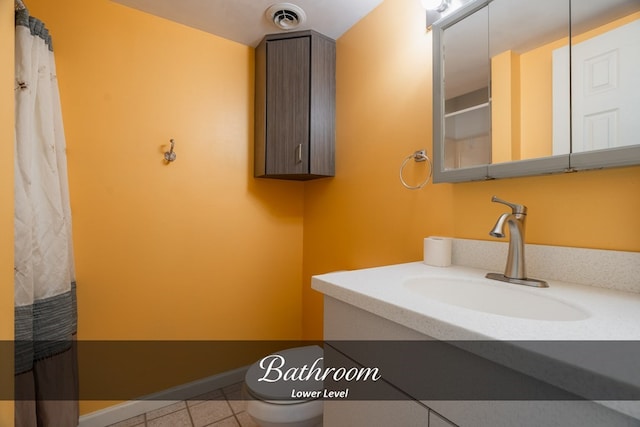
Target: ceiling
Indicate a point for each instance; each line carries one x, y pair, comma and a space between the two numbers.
245, 21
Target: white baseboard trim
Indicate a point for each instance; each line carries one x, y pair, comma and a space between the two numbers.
126, 410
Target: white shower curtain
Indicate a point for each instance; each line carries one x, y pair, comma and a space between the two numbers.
45, 304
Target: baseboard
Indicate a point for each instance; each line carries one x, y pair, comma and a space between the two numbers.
126, 410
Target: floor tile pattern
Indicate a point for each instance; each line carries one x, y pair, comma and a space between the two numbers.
220, 408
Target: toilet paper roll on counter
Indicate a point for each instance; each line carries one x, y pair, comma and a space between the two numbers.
437, 251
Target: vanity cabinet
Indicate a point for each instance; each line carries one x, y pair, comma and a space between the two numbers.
346, 324
295, 106
436, 420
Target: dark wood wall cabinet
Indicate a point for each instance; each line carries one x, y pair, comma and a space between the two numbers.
295, 106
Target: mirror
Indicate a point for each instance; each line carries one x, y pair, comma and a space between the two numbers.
525, 88
605, 94
467, 109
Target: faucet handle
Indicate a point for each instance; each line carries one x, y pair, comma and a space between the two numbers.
515, 208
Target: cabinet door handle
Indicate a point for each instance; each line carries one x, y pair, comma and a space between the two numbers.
299, 153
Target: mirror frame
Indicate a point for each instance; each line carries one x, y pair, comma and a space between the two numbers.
598, 159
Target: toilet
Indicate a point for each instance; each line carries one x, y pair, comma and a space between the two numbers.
270, 404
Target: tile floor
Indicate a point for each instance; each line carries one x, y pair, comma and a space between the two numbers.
219, 408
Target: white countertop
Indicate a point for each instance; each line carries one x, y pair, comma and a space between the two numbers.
612, 315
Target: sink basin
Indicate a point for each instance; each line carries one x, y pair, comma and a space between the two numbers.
494, 298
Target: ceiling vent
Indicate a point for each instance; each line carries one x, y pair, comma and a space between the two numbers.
286, 16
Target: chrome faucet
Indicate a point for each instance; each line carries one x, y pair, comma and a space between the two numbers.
514, 271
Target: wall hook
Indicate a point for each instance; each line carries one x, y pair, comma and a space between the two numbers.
170, 156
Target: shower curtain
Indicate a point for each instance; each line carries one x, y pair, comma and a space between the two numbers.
46, 382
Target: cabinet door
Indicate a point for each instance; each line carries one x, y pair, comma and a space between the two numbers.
288, 88
436, 420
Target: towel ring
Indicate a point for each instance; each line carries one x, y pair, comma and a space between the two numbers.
418, 156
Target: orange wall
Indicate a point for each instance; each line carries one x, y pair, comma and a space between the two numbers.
364, 217
536, 112
197, 249
6, 201
505, 107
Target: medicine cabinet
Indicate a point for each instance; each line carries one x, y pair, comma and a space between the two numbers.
529, 88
